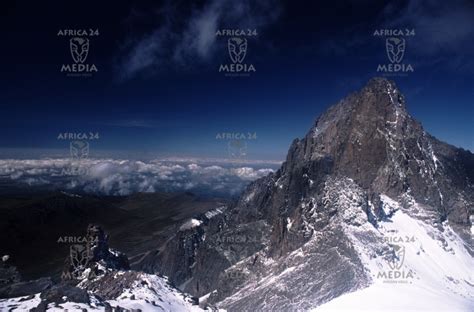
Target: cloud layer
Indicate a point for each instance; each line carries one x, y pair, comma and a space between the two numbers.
123, 177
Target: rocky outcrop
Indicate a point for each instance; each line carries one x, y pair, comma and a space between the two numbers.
93, 257
101, 280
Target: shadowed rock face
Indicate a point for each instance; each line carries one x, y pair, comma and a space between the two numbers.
95, 255
373, 140
283, 242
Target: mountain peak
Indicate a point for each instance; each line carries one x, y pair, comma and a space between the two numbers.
376, 110
380, 85
375, 105
379, 82
364, 135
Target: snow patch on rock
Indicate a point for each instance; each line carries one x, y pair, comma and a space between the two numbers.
191, 223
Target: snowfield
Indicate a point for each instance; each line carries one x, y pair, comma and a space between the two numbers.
406, 298
433, 272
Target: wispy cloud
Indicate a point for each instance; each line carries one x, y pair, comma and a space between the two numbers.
184, 38
444, 31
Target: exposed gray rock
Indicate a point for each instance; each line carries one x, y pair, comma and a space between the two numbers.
65, 292
94, 256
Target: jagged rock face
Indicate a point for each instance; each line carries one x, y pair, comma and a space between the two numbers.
354, 133
373, 140
370, 137
95, 256
292, 224
100, 252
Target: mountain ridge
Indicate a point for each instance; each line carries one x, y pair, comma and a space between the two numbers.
331, 192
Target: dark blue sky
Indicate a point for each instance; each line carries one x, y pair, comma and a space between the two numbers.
158, 89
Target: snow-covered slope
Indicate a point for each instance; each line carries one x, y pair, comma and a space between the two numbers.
138, 292
147, 298
432, 270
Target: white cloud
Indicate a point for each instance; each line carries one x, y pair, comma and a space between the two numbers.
249, 174
123, 177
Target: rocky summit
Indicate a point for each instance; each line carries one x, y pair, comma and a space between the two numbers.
320, 226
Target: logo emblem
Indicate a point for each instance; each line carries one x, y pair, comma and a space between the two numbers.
79, 256
396, 262
240, 243
237, 49
395, 49
237, 148
79, 149
79, 49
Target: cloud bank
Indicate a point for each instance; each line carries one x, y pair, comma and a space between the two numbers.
124, 177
